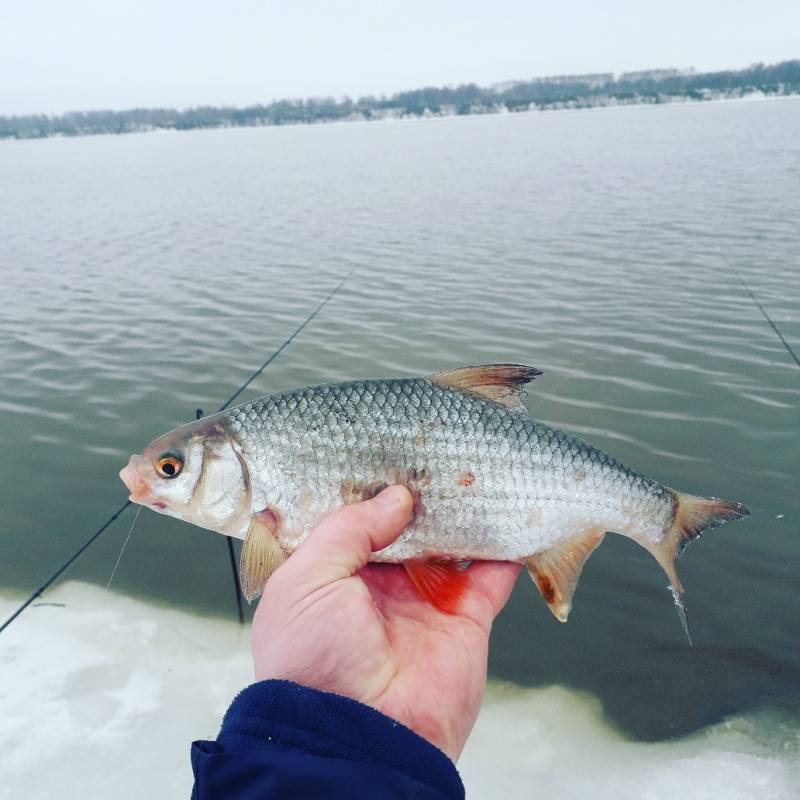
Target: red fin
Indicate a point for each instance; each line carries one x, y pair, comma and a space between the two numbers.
441, 583
500, 383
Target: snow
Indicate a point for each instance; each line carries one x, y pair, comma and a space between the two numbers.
101, 697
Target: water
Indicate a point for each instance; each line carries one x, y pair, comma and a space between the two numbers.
145, 276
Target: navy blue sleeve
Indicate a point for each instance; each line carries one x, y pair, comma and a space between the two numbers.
282, 740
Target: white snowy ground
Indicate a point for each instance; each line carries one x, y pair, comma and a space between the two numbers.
102, 697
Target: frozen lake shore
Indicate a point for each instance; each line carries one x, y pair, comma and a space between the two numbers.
101, 696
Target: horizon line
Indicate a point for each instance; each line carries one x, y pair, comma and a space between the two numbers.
613, 77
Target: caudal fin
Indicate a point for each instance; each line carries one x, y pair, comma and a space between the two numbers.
693, 516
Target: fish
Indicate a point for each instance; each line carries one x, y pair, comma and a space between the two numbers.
488, 481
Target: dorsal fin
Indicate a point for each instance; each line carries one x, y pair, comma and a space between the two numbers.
500, 383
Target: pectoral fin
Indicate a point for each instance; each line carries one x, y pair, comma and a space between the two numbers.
556, 571
261, 554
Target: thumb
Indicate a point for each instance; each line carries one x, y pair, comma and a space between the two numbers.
342, 543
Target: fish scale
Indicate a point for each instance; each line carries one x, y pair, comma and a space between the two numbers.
378, 431
487, 481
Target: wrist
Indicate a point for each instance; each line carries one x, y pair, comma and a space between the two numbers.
284, 713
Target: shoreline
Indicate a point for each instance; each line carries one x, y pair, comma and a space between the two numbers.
588, 103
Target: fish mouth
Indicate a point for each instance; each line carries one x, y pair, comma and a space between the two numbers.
136, 485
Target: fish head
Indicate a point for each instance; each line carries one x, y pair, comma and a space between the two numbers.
195, 473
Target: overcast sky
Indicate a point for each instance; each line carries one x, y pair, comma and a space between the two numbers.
58, 55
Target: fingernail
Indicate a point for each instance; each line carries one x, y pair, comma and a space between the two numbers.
391, 496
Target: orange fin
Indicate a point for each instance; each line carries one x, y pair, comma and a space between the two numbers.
692, 516
500, 383
556, 571
441, 583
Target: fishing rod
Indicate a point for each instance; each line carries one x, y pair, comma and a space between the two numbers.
116, 514
761, 308
231, 556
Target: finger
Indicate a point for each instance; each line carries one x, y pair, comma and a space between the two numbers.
342, 543
494, 580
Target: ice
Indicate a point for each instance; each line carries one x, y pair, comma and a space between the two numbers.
555, 742
102, 696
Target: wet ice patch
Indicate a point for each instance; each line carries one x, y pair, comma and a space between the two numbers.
556, 742
102, 697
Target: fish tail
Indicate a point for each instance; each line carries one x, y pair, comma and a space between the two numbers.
692, 516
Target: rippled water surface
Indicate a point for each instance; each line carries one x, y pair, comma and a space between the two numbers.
146, 276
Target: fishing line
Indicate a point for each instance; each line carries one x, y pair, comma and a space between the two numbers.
68, 563
124, 545
761, 308
96, 535
286, 343
562, 380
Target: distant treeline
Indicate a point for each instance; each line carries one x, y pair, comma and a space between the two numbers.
567, 91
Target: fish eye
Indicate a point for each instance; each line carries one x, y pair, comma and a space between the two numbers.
169, 465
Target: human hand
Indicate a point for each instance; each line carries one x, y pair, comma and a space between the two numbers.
329, 620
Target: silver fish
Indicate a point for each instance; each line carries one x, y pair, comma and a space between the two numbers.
488, 482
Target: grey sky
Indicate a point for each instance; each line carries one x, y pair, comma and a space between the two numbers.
57, 55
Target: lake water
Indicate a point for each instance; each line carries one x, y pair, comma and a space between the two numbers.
145, 276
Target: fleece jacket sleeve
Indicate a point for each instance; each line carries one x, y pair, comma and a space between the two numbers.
282, 740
